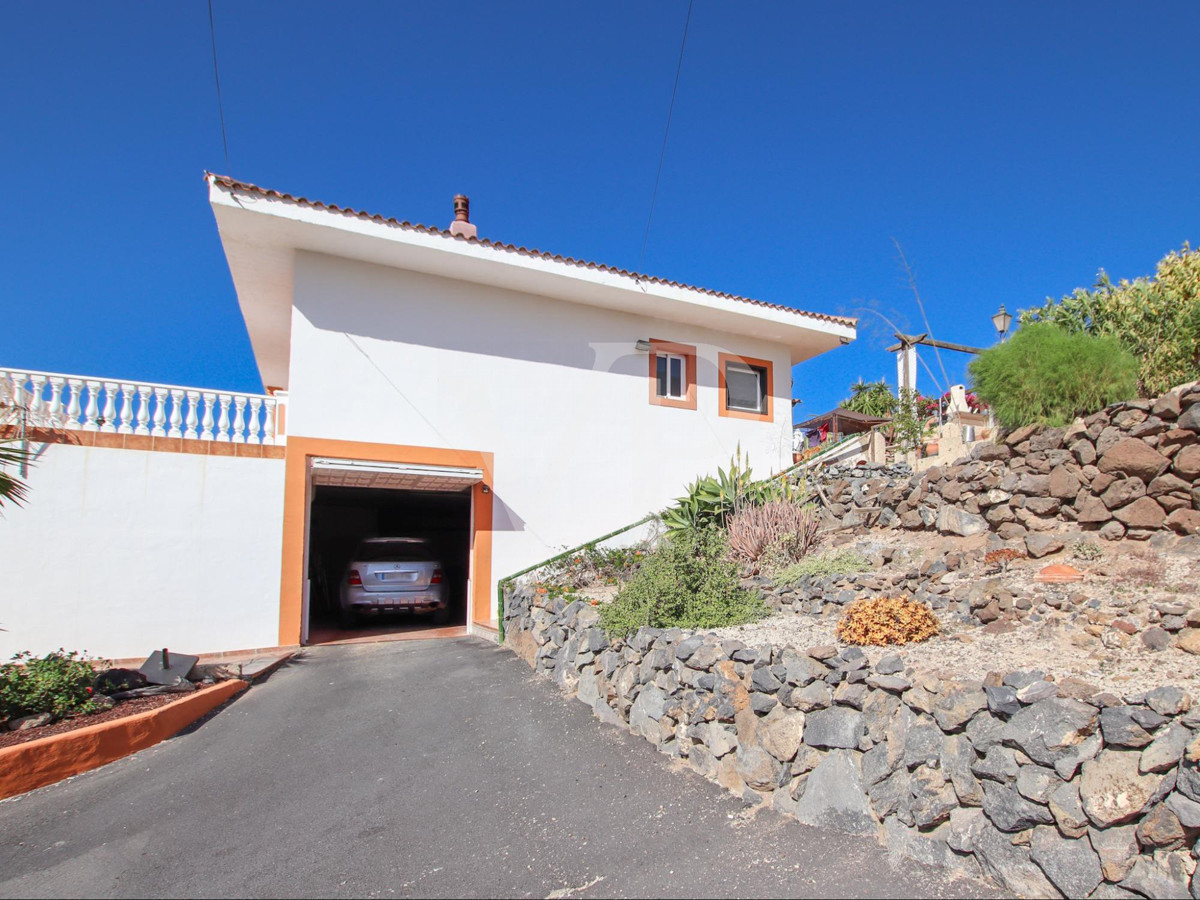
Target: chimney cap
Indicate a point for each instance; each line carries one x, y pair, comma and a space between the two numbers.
461, 226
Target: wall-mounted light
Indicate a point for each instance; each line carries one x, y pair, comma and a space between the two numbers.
486, 489
644, 346
844, 340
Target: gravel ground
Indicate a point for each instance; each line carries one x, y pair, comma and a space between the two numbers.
1125, 582
971, 654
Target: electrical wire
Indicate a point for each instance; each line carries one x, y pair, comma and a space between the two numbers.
666, 134
212, 33
912, 283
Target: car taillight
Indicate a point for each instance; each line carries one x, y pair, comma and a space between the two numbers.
437, 577
355, 578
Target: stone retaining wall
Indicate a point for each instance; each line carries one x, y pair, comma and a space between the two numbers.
1044, 787
1131, 470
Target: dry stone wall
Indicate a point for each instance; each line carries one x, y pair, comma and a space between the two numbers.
1128, 471
1046, 788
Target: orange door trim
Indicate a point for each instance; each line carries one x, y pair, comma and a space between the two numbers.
295, 514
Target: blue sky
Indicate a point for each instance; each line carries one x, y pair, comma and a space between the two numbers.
1012, 150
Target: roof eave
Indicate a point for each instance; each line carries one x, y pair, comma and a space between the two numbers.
274, 227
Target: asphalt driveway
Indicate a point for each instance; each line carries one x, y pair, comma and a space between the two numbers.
430, 768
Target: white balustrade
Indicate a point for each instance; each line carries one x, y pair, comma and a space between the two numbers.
143, 413
255, 405
73, 403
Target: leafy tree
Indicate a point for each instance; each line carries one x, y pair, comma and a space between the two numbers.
871, 398
908, 428
1046, 375
1157, 319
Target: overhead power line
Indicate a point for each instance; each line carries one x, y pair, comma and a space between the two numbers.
212, 33
666, 134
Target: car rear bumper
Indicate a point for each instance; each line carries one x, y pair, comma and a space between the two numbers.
429, 600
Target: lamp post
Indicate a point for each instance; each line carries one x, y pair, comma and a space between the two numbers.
1002, 320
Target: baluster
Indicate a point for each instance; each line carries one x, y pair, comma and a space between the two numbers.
160, 412
143, 413
35, 407
109, 416
54, 406
269, 408
252, 431
239, 419
125, 415
93, 407
73, 405
223, 418
176, 414
193, 414
206, 432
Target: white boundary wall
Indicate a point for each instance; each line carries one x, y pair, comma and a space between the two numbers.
119, 552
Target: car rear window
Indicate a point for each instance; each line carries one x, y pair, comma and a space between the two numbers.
392, 551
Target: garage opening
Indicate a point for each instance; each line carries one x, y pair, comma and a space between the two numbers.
354, 505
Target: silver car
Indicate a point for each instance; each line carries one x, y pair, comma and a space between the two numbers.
394, 574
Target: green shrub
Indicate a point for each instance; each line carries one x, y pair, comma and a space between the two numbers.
1045, 375
831, 562
58, 683
689, 581
1085, 550
1157, 319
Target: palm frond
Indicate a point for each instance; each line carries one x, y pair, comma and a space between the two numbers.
13, 489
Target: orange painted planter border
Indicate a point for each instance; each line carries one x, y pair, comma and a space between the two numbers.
50, 759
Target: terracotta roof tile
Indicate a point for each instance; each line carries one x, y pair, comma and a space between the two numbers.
234, 184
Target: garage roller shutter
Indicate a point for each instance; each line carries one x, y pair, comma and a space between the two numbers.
402, 476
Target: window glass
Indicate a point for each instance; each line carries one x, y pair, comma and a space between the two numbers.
403, 550
745, 387
676, 367
671, 376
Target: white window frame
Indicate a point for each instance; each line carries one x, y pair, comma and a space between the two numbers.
760, 392
683, 376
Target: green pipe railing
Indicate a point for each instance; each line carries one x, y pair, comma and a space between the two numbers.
509, 579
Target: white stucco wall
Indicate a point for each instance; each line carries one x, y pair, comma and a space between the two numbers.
120, 552
554, 389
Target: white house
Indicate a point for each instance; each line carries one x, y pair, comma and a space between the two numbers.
512, 401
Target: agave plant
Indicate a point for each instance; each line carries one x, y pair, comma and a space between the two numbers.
711, 500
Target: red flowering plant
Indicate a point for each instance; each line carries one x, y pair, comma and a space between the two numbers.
974, 404
930, 407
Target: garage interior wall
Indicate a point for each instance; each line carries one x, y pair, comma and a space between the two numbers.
343, 516
119, 552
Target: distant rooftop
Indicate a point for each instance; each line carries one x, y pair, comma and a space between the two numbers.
842, 415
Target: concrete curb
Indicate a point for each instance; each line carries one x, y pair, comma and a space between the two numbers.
259, 674
47, 760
